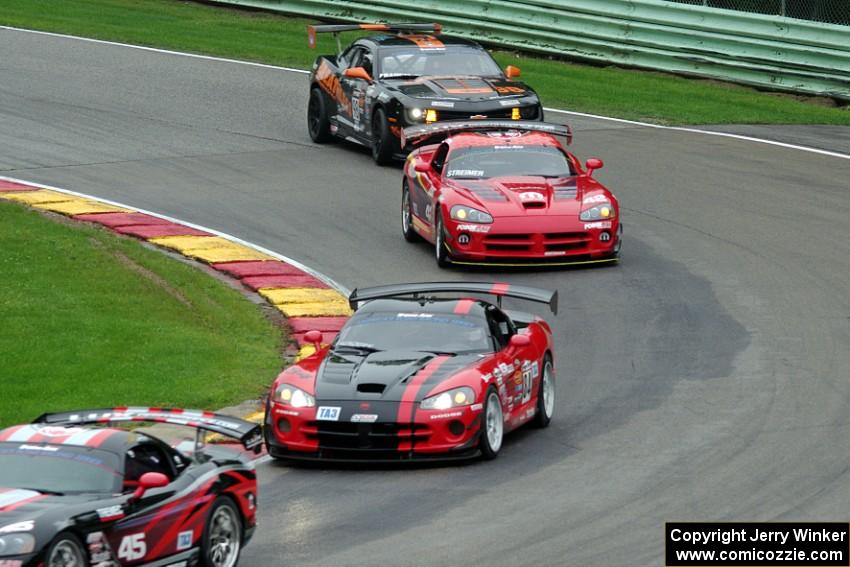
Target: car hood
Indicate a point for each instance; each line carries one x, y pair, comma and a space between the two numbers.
524, 196
21, 505
469, 89
383, 376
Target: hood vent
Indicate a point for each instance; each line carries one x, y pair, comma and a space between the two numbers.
371, 388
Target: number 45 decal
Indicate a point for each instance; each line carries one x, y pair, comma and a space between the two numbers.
132, 547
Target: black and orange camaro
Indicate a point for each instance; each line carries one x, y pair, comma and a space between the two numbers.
406, 76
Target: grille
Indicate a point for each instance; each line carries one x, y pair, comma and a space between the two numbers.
546, 242
455, 115
376, 437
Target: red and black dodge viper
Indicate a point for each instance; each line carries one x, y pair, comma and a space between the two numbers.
498, 192
75, 492
420, 371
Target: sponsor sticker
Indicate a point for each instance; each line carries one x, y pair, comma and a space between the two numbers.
286, 412
184, 540
486, 377
555, 253
474, 227
328, 413
442, 104
38, 448
110, 513
364, 418
476, 407
531, 196
414, 315
596, 199
59, 431
447, 415
597, 224
509, 102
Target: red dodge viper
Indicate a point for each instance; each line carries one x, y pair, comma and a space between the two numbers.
506, 193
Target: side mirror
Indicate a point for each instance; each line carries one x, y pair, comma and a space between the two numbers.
512, 72
357, 73
518, 340
421, 166
314, 338
150, 480
592, 164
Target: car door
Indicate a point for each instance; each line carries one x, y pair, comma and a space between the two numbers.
354, 89
519, 369
150, 527
424, 187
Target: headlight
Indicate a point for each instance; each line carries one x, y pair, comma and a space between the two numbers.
415, 114
452, 399
602, 211
295, 397
16, 544
468, 214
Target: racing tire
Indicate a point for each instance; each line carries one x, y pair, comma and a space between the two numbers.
222, 539
492, 426
619, 245
407, 229
384, 144
545, 394
318, 124
442, 253
65, 551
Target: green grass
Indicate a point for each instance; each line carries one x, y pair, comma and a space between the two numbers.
280, 40
90, 319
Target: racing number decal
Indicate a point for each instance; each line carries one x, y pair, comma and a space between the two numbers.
529, 373
133, 547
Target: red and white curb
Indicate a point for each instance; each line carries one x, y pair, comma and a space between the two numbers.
309, 299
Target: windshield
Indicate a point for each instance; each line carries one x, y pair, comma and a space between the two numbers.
411, 62
58, 468
429, 332
483, 162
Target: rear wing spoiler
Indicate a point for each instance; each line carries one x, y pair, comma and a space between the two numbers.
418, 135
500, 290
392, 28
249, 434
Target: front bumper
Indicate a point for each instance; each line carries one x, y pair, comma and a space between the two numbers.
533, 240
429, 435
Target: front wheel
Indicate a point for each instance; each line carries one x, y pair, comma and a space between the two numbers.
407, 214
618, 246
442, 253
545, 395
65, 551
492, 425
222, 540
383, 142
318, 123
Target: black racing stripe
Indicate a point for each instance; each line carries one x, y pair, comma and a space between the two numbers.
448, 369
345, 435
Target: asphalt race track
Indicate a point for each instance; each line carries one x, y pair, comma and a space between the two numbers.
704, 378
